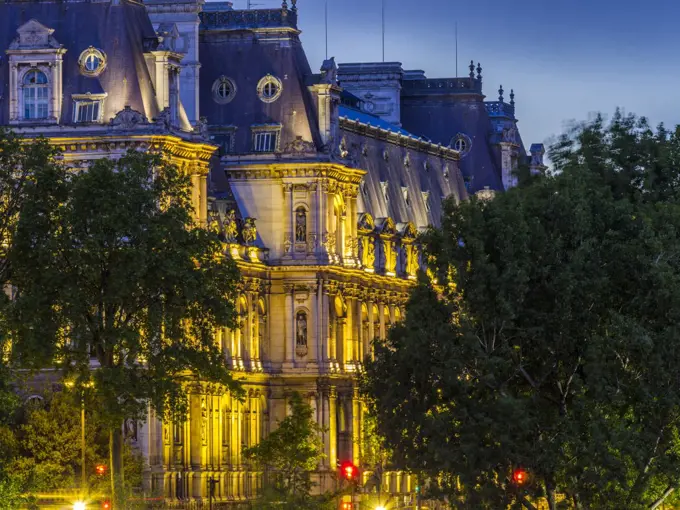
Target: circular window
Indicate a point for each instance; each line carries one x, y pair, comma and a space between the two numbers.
269, 89
223, 90
462, 144
92, 62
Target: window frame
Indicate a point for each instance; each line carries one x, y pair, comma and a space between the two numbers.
267, 82
84, 100
259, 132
24, 87
217, 84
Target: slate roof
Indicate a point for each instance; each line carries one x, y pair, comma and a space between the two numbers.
120, 29
245, 59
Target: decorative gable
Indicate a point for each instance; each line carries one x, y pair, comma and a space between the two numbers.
34, 35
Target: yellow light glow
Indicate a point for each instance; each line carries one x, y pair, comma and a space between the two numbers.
380, 507
79, 505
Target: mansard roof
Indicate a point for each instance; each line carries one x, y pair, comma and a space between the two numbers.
236, 45
119, 28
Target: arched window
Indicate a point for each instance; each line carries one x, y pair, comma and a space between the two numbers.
35, 95
300, 225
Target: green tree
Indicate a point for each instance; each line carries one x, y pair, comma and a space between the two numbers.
110, 267
288, 456
20, 162
550, 342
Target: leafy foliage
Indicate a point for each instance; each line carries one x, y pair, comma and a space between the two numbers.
289, 455
110, 266
551, 343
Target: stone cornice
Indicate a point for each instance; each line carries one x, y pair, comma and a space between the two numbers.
316, 170
396, 138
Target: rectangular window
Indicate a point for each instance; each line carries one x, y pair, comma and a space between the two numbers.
265, 141
87, 111
225, 141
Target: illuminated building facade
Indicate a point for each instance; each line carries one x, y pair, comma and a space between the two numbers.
318, 184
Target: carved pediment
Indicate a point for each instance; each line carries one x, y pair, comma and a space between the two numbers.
407, 230
386, 226
366, 222
128, 118
167, 36
299, 146
34, 35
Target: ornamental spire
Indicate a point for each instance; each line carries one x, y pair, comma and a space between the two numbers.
500, 94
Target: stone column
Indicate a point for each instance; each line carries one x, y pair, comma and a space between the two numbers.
383, 326
356, 428
288, 239
289, 327
324, 326
333, 427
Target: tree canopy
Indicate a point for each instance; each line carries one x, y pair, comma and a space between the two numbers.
289, 455
549, 341
118, 287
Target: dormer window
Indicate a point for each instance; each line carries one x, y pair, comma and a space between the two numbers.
35, 95
88, 108
92, 62
35, 75
223, 90
266, 137
269, 89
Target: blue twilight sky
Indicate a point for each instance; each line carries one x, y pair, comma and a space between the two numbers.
564, 58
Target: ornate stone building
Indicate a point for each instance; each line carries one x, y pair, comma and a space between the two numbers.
318, 184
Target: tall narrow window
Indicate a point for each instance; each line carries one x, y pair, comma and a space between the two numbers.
35, 94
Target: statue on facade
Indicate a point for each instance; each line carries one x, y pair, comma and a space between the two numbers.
230, 227
249, 231
301, 323
329, 72
370, 253
301, 334
131, 430
300, 225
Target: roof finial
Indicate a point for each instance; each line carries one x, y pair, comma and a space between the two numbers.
294, 2
472, 68
479, 71
500, 94
512, 97
284, 5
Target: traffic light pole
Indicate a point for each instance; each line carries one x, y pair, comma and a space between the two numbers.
83, 479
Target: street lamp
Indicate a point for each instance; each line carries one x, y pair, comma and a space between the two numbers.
380, 507
79, 505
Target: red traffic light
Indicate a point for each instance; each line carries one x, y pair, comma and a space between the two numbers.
101, 469
106, 505
519, 476
349, 472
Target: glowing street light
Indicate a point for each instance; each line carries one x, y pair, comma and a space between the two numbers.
380, 507
79, 505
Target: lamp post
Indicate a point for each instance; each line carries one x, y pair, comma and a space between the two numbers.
83, 474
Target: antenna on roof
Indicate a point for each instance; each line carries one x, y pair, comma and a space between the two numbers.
383, 30
326, 15
456, 49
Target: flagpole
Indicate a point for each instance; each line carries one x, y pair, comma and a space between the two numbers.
326, 16
456, 49
383, 30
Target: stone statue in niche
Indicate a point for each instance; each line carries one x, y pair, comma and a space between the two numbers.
370, 253
300, 225
204, 421
131, 430
249, 232
301, 334
230, 228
